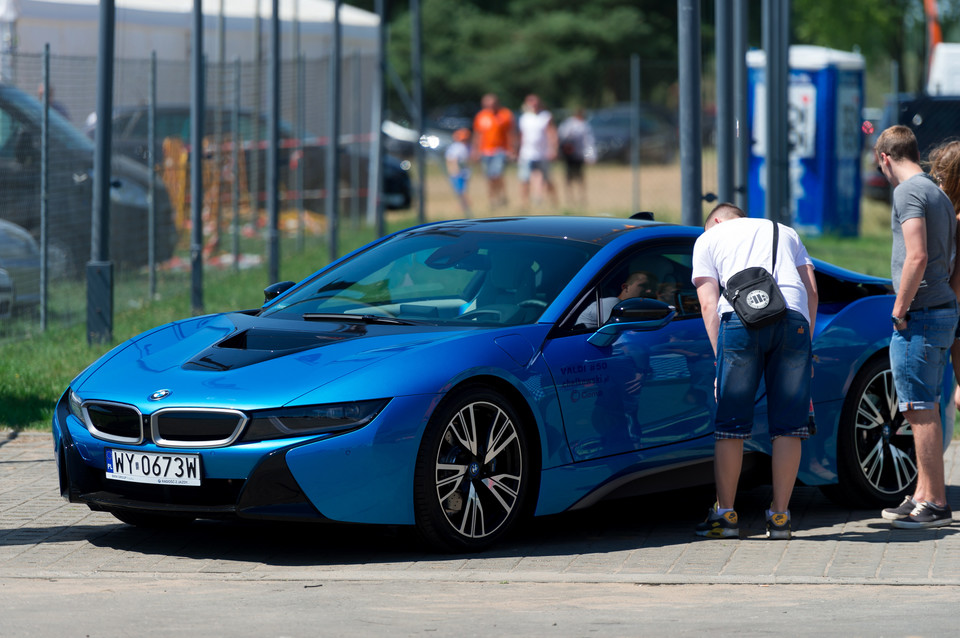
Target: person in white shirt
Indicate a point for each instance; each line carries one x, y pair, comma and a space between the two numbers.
457, 157
638, 284
577, 148
779, 353
538, 147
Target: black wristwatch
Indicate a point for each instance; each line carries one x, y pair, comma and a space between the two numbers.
898, 321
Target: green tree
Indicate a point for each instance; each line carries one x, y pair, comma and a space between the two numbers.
568, 52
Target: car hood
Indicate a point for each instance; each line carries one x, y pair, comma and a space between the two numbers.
248, 362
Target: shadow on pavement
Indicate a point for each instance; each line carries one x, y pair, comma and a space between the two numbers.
661, 520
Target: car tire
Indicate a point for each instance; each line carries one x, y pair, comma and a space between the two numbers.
876, 457
151, 521
472, 476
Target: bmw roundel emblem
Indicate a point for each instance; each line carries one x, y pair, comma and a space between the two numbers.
159, 394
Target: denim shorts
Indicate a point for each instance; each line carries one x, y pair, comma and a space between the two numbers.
459, 183
494, 164
525, 168
919, 355
781, 355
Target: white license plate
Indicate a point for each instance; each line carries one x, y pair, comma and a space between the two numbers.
153, 468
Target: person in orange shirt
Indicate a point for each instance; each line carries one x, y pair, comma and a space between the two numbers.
493, 145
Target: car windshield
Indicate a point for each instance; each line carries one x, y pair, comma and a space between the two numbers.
444, 278
25, 107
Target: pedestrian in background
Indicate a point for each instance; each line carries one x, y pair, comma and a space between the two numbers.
494, 142
780, 353
924, 226
576, 147
457, 158
538, 147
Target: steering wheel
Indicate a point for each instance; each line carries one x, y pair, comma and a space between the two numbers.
473, 315
532, 303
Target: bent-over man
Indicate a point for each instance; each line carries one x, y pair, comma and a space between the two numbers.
780, 353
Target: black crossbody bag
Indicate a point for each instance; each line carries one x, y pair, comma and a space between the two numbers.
754, 293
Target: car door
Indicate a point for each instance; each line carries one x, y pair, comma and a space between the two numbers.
652, 386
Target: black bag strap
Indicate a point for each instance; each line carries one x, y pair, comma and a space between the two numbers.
776, 242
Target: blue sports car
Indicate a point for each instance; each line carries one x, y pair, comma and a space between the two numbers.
457, 377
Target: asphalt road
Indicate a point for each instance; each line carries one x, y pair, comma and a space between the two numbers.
627, 568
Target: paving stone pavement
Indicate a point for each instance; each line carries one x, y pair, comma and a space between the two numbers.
645, 541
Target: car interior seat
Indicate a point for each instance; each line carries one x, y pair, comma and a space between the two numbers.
510, 281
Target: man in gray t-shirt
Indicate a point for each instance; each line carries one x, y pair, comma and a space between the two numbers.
920, 197
924, 318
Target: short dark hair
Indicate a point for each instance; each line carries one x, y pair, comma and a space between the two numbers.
898, 143
724, 210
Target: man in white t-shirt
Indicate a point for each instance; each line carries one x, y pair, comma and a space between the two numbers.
779, 353
638, 284
538, 147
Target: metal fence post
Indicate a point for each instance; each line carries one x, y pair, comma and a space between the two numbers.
416, 68
196, 160
725, 116
235, 162
743, 132
301, 144
691, 169
375, 205
152, 163
333, 140
100, 268
273, 156
44, 187
635, 128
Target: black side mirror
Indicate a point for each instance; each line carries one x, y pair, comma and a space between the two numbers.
273, 291
639, 309
638, 313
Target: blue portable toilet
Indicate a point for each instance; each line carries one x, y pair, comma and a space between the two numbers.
825, 97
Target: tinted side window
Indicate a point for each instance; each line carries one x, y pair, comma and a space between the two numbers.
658, 272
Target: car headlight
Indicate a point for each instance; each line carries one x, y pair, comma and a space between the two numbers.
331, 418
73, 405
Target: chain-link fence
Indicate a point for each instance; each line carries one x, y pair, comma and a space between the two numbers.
234, 156
234, 171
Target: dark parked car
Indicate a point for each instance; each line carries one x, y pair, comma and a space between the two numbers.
934, 119
6, 294
70, 180
130, 138
611, 132
20, 260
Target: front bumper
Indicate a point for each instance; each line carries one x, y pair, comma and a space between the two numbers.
364, 476
269, 492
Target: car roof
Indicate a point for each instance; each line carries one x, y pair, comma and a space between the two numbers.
595, 230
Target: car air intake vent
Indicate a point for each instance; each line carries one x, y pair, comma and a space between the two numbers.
253, 346
196, 428
114, 422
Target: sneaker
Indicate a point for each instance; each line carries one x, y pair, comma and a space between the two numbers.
901, 511
924, 515
719, 525
778, 525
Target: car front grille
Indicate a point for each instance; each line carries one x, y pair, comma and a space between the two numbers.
172, 427
114, 422
196, 428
